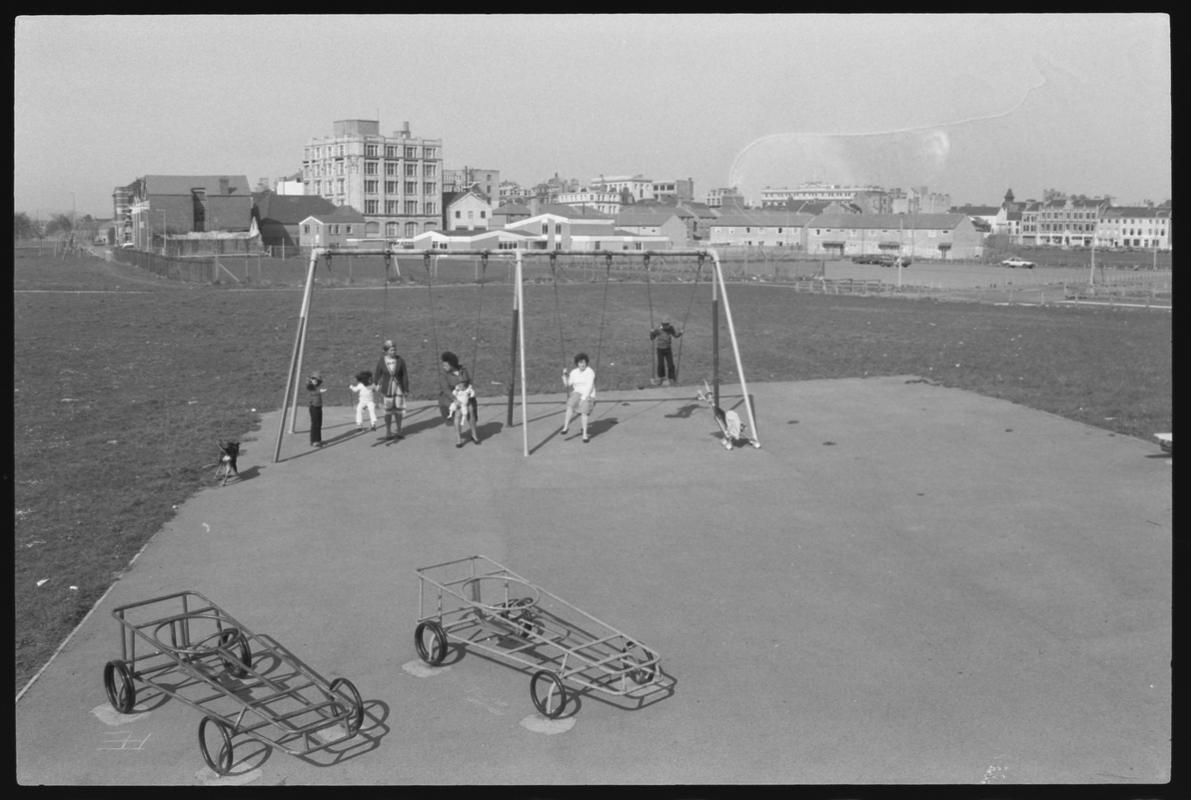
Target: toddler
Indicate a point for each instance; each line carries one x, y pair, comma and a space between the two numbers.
363, 388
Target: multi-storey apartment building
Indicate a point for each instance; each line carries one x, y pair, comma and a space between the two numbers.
394, 181
596, 199
813, 190
1135, 226
1065, 223
725, 196
636, 186
676, 191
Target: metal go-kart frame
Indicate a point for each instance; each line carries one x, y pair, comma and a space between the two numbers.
489, 608
190, 649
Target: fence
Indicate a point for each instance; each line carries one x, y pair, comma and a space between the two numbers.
975, 281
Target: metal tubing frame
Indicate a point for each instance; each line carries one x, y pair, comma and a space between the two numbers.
131, 631
574, 674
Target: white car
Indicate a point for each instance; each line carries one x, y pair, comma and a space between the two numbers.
1013, 262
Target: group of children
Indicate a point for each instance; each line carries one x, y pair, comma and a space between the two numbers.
457, 398
390, 381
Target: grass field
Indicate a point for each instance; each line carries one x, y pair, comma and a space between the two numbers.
123, 382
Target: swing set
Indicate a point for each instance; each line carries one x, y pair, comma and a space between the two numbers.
517, 326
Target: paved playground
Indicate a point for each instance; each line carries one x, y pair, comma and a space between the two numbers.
905, 584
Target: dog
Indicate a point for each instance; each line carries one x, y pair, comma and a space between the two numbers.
228, 453
731, 426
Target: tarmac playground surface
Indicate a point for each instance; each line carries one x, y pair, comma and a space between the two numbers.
907, 584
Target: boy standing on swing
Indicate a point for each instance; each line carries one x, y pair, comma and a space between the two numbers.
663, 337
393, 382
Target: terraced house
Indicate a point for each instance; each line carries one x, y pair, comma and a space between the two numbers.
1065, 223
1136, 226
931, 236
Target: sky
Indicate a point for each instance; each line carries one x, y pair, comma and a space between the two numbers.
969, 105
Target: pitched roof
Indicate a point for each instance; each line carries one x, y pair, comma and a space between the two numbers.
290, 209
890, 221
512, 208
762, 219
573, 212
980, 211
631, 215
183, 184
340, 214
1134, 211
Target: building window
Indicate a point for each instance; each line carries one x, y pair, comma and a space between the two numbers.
430, 152
305, 229
457, 213
391, 187
430, 207
411, 170
483, 215
411, 187
558, 227
428, 188
392, 151
391, 207
427, 170
371, 186
347, 228
370, 150
391, 168
411, 152
370, 168
371, 206
411, 206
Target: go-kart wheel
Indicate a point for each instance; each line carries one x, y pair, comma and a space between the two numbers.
117, 681
355, 706
548, 694
222, 765
637, 663
231, 638
431, 641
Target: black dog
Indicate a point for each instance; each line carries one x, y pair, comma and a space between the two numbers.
228, 453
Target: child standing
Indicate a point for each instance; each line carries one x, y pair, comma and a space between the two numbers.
581, 382
362, 387
314, 402
663, 338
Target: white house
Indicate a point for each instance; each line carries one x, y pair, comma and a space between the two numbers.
467, 210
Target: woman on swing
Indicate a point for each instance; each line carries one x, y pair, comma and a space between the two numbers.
457, 397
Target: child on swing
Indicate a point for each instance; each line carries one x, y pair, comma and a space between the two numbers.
581, 382
731, 426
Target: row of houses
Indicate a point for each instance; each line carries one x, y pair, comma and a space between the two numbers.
182, 214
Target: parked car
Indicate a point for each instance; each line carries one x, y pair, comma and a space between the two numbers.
1013, 262
866, 259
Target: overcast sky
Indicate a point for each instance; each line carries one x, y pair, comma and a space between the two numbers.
969, 105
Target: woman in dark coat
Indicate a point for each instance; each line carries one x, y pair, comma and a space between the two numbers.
393, 383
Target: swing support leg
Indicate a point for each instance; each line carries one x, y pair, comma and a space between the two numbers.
748, 403
295, 366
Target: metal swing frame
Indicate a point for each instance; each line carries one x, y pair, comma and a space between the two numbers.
719, 293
